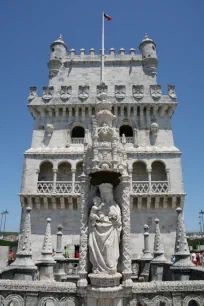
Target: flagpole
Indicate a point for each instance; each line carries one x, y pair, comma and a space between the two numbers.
102, 51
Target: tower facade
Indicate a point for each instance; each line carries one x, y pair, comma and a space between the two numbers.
117, 132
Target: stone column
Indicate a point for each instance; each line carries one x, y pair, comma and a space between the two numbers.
126, 244
54, 180
136, 138
149, 171
73, 179
130, 175
83, 270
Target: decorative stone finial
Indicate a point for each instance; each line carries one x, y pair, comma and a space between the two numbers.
158, 245
60, 37
47, 243
59, 254
181, 244
24, 245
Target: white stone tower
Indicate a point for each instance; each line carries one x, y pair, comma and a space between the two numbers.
71, 138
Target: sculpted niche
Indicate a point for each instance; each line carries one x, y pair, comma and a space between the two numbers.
104, 231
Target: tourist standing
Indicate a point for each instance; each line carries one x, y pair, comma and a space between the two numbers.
66, 252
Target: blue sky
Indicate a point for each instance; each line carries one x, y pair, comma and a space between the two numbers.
28, 27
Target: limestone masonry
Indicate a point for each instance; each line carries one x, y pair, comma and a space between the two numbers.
104, 178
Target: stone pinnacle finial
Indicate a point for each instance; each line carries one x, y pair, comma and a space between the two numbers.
24, 245
181, 244
60, 37
59, 251
146, 36
47, 243
147, 254
158, 244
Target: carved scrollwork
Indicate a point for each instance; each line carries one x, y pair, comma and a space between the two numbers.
84, 92
47, 92
171, 91
155, 91
120, 91
33, 93
138, 91
65, 92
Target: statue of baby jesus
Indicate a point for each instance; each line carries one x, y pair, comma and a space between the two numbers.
96, 213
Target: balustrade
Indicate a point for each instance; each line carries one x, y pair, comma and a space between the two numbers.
60, 187
156, 187
128, 139
78, 140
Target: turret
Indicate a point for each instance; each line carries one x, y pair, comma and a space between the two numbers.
149, 56
58, 50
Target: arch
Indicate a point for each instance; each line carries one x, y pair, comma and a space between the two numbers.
158, 171
79, 170
64, 172
48, 301
127, 130
193, 299
139, 171
78, 132
127, 122
46, 171
161, 301
15, 300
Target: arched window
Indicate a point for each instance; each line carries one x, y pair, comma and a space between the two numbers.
79, 170
78, 134
193, 303
158, 171
64, 172
46, 172
139, 172
126, 130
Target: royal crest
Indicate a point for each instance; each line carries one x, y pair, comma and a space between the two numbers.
120, 91
83, 92
138, 91
65, 92
102, 91
155, 91
171, 91
33, 93
47, 92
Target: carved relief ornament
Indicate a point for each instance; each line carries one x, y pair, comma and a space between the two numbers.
138, 91
49, 128
83, 92
155, 91
101, 91
171, 91
65, 92
47, 92
120, 91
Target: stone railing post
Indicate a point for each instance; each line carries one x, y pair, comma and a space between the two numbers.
147, 256
168, 179
59, 258
54, 180
126, 244
83, 270
149, 171
73, 179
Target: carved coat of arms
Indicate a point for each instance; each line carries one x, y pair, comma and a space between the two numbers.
155, 91
83, 92
101, 91
120, 91
47, 92
65, 92
33, 93
138, 91
171, 91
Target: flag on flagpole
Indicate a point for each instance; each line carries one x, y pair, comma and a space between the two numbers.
107, 17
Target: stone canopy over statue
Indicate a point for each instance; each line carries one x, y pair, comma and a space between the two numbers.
104, 231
